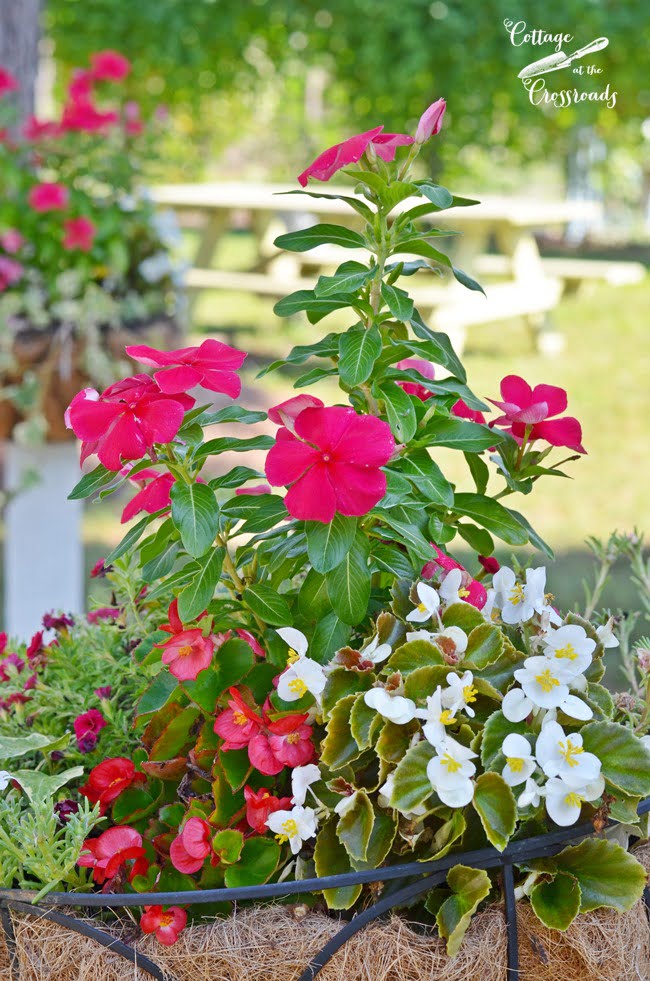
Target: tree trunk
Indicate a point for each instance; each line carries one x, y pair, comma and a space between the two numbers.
19, 37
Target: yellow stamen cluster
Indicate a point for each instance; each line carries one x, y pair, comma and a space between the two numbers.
573, 799
452, 765
292, 656
422, 608
569, 751
546, 681
290, 828
239, 718
293, 737
184, 651
463, 592
299, 686
447, 718
516, 594
515, 763
469, 694
569, 652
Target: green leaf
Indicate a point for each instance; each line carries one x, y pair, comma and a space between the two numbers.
355, 826
484, 645
495, 805
133, 804
421, 682
364, 721
269, 606
557, 903
330, 635
194, 598
257, 863
328, 544
491, 515
227, 845
349, 277
231, 413
389, 559
447, 835
11, 747
177, 736
348, 585
478, 539
427, 476
260, 512
467, 281
230, 444
195, 514
607, 874
161, 564
331, 858
479, 471
533, 537
236, 477
157, 694
309, 238
307, 300
415, 654
440, 196
383, 833
460, 434
340, 683
470, 887
412, 786
132, 536
93, 481
400, 411
313, 601
398, 302
495, 731
358, 350
406, 533
625, 760
446, 356
39, 786
463, 615
339, 746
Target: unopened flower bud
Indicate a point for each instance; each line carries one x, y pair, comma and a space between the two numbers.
430, 122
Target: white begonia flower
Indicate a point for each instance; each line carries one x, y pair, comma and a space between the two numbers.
395, 708
302, 777
452, 589
5, 779
516, 706
295, 641
531, 794
460, 693
563, 803
457, 636
376, 652
520, 761
420, 635
294, 826
450, 773
436, 717
385, 795
302, 674
561, 755
490, 609
428, 605
545, 680
606, 634
571, 645
519, 602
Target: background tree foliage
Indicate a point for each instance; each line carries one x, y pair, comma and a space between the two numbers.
272, 70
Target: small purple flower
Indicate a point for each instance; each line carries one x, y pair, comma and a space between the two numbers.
104, 691
52, 621
64, 809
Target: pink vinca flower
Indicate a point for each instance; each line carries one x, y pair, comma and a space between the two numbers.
79, 234
286, 413
430, 122
213, 365
109, 66
332, 463
351, 151
424, 368
10, 272
82, 116
531, 409
48, 196
461, 410
12, 241
7, 82
153, 495
125, 421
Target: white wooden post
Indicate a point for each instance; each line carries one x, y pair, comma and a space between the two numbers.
43, 548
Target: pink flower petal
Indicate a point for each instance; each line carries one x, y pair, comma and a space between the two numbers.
357, 489
386, 144
292, 408
261, 755
160, 419
338, 156
560, 432
367, 441
144, 354
180, 378
516, 391
216, 354
124, 441
312, 497
555, 398
89, 419
288, 459
216, 380
324, 427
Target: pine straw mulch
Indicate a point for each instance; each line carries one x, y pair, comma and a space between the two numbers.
274, 943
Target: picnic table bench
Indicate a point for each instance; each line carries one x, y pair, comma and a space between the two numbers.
531, 289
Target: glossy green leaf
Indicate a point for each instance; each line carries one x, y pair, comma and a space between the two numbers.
329, 635
331, 858
258, 861
194, 598
460, 434
624, 758
495, 805
339, 746
310, 238
348, 585
358, 350
349, 277
415, 654
412, 786
484, 645
328, 544
495, 731
195, 514
491, 515
399, 410
398, 302
607, 874
92, 482
303, 300
268, 604
557, 903
469, 887
355, 826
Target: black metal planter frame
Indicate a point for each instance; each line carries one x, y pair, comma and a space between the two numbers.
416, 878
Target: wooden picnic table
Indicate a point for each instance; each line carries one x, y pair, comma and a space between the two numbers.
527, 289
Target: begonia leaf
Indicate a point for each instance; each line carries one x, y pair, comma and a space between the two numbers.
557, 902
354, 827
607, 874
469, 887
331, 858
411, 786
625, 759
495, 805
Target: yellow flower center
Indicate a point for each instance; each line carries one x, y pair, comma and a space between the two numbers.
166, 919
515, 763
469, 693
447, 718
292, 656
298, 686
463, 592
421, 608
290, 828
569, 751
184, 651
293, 737
281, 839
452, 765
517, 594
573, 799
546, 681
239, 718
569, 651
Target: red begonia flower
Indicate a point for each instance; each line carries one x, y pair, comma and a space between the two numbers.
424, 368
109, 66
489, 563
12, 241
213, 365
166, 924
531, 408
125, 421
108, 779
79, 234
48, 196
87, 727
463, 411
112, 849
286, 413
7, 82
192, 846
238, 723
154, 496
332, 463
187, 653
351, 151
261, 803
293, 748
475, 591
430, 122
10, 272
261, 755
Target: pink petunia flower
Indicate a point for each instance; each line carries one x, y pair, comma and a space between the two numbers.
11, 659
152, 497
430, 122
12, 241
57, 621
424, 368
115, 847
79, 234
109, 66
48, 196
190, 849
125, 421
10, 272
529, 410
213, 365
331, 463
166, 924
104, 613
35, 645
351, 150
461, 410
87, 728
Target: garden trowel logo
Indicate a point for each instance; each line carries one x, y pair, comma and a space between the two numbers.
534, 74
